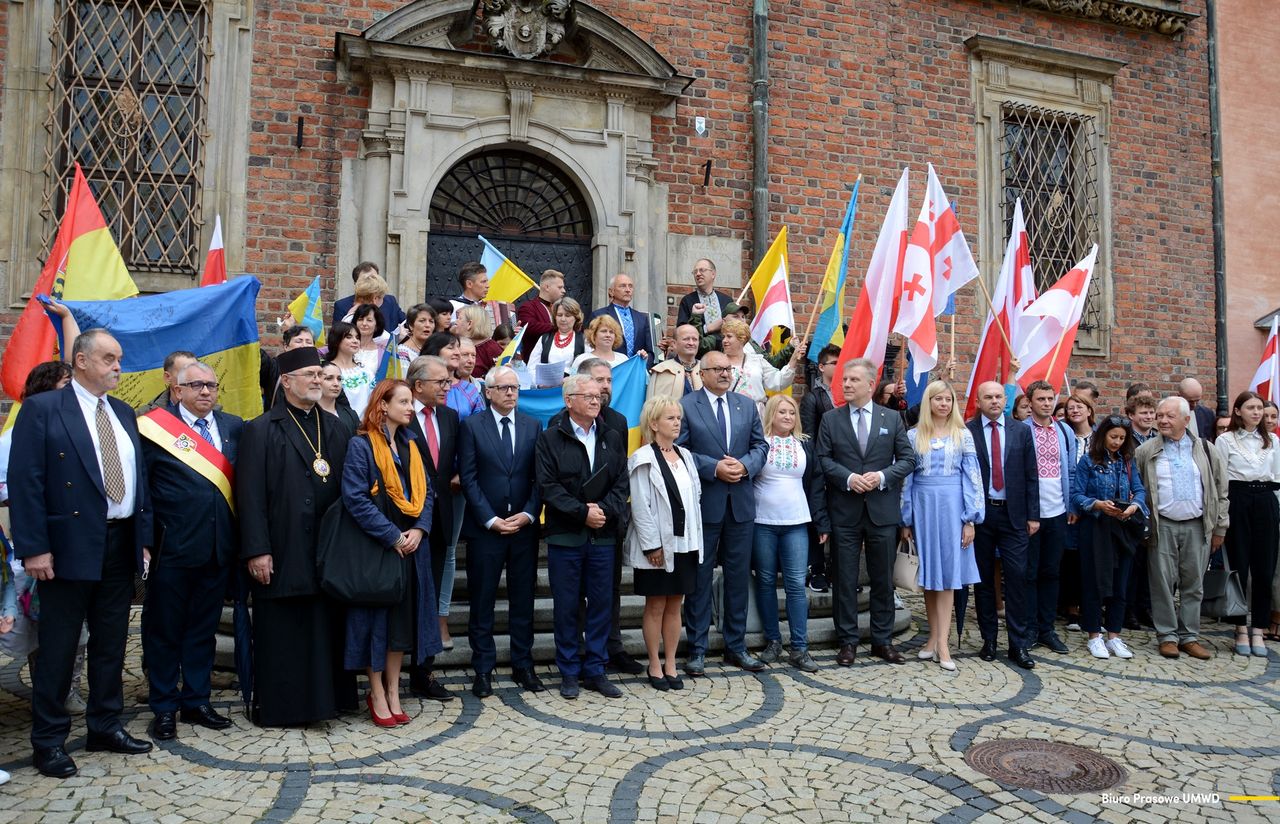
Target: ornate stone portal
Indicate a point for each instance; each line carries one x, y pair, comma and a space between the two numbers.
526, 28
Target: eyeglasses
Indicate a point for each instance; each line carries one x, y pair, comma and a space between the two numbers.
199, 386
505, 387
589, 398
721, 369
437, 381
703, 269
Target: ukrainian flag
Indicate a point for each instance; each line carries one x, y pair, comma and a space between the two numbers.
216, 322
506, 281
308, 310
630, 383
830, 326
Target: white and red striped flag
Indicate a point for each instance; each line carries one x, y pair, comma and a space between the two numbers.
215, 265
1014, 292
772, 292
877, 308
1055, 319
1266, 380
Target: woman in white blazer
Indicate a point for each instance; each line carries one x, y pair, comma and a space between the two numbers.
664, 540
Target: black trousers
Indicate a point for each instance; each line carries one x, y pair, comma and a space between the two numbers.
1044, 573
179, 627
879, 542
997, 532
64, 607
1251, 546
486, 557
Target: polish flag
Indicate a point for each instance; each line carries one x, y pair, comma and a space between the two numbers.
1266, 380
215, 265
876, 311
915, 294
1054, 318
1014, 292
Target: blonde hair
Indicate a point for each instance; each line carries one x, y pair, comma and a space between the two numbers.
771, 409
654, 407
481, 325
369, 288
954, 427
605, 322
736, 327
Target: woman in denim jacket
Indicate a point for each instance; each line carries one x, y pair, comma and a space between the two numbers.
1107, 489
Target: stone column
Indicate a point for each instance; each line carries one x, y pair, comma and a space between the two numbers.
377, 191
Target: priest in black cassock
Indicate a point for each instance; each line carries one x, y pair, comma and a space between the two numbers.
289, 472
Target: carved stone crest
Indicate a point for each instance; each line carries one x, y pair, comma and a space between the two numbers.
526, 28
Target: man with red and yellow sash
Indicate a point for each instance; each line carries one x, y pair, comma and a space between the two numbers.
190, 451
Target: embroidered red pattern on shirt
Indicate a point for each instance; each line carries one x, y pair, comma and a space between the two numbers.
1047, 459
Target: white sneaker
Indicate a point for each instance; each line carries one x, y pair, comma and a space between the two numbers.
4, 777
75, 704
1098, 648
1117, 648
1074, 626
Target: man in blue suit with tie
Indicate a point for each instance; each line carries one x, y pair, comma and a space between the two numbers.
724, 433
497, 466
81, 514
637, 337
190, 452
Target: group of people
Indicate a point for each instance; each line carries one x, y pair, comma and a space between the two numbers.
735, 485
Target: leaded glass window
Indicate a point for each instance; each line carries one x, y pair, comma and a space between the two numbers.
510, 194
129, 83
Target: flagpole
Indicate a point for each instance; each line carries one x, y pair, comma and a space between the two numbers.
817, 305
995, 315
951, 359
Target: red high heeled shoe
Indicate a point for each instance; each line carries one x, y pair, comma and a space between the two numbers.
401, 718
381, 722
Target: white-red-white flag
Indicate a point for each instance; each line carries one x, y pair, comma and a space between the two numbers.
876, 310
953, 264
215, 264
1013, 293
1266, 379
1055, 318
915, 295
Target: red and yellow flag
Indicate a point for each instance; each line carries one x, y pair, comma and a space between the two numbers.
84, 264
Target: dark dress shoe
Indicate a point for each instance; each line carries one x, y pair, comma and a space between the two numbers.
746, 661
1053, 642
625, 664
118, 741
164, 727
988, 651
482, 686
846, 655
602, 685
659, 683
696, 666
1022, 658
54, 762
888, 653
674, 682
528, 680
205, 717
432, 689
569, 687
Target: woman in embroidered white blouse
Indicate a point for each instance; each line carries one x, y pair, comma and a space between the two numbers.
752, 373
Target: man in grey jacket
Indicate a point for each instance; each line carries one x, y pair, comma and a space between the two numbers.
1186, 485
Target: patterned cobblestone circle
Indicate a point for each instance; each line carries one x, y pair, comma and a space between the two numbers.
1046, 766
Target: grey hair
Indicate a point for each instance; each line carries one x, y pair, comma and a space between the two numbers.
702, 361
491, 377
181, 377
87, 342
574, 382
1184, 408
865, 364
418, 369
587, 365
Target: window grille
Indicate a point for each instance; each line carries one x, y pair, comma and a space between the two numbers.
129, 88
511, 194
1050, 160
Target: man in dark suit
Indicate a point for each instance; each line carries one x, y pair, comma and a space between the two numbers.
190, 451
1007, 457
865, 455
497, 465
704, 299
637, 335
1202, 416
724, 433
392, 314
81, 514
435, 426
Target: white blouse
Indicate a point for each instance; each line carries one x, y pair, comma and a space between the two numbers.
779, 488
1245, 457
757, 375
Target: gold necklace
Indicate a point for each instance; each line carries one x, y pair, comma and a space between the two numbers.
319, 466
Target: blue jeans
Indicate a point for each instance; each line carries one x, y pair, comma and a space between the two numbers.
788, 547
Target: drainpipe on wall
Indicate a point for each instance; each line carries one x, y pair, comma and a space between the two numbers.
759, 129
1219, 236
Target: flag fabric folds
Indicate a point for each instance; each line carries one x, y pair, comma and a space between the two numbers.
772, 292
84, 264
391, 367
915, 295
510, 351
830, 326
506, 281
215, 264
1014, 291
876, 311
218, 323
630, 383
953, 264
1266, 379
1055, 319
308, 310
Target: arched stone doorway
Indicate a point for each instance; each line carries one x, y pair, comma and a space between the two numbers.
523, 204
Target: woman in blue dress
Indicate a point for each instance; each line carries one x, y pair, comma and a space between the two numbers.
941, 501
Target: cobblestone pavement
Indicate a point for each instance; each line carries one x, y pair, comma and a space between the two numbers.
874, 742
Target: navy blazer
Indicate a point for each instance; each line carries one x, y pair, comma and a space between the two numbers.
701, 434
643, 326
1021, 475
56, 494
392, 314
193, 522
497, 485
888, 450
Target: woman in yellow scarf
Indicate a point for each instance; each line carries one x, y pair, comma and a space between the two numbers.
384, 487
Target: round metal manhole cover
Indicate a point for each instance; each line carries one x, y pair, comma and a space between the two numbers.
1045, 766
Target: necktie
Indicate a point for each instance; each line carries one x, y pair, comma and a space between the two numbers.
112, 472
628, 329
863, 429
429, 429
722, 418
997, 460
202, 426
507, 444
